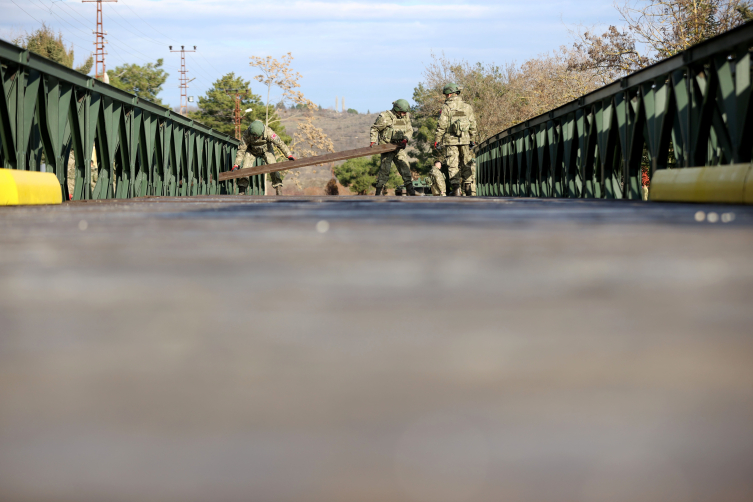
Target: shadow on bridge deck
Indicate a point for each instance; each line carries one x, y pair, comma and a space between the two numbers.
417, 349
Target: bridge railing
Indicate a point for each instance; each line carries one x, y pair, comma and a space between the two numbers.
48, 111
693, 109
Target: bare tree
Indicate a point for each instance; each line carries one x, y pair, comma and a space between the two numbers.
308, 140
503, 96
661, 28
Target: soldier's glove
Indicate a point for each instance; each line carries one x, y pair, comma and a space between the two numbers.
372, 145
435, 146
402, 143
473, 144
234, 168
290, 157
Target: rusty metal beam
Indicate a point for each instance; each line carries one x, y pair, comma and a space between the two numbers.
309, 161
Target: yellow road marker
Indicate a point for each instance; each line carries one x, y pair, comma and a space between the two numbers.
19, 188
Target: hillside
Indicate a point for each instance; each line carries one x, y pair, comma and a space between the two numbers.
347, 131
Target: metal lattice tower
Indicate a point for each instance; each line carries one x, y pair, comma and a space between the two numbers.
183, 78
237, 95
99, 64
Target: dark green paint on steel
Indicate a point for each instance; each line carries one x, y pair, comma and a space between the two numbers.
48, 111
697, 102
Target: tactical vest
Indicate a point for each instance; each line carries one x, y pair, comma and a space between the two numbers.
398, 130
459, 115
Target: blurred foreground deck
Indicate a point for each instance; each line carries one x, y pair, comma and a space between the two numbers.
410, 349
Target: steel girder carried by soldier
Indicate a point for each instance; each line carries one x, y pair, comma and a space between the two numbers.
260, 141
393, 126
456, 130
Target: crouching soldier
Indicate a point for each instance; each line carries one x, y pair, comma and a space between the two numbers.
437, 179
259, 141
456, 129
393, 126
436, 176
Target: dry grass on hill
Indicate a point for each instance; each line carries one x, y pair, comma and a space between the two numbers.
347, 132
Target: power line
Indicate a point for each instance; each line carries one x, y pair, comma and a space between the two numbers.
193, 61
42, 22
35, 19
113, 45
210, 64
115, 42
52, 4
135, 28
149, 25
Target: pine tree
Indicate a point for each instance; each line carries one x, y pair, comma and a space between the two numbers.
144, 81
217, 106
47, 44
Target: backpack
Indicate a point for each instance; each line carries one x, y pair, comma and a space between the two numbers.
460, 126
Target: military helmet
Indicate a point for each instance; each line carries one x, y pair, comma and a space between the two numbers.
451, 89
256, 128
401, 105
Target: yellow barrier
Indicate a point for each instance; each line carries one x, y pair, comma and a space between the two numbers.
731, 184
18, 188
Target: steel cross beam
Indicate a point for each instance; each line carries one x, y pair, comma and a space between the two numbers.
692, 109
308, 161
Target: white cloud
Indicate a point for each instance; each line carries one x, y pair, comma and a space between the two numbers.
370, 53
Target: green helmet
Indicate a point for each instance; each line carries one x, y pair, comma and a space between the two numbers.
451, 89
256, 128
401, 105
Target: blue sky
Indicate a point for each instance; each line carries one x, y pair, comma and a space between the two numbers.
372, 53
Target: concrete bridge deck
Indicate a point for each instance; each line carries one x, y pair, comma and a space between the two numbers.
408, 349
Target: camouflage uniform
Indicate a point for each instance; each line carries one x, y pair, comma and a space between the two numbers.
389, 128
438, 186
456, 128
251, 148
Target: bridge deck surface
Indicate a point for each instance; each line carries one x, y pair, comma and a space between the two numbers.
424, 349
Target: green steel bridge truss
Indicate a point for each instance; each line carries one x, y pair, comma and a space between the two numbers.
48, 110
693, 109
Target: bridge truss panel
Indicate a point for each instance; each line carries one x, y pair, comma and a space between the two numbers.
49, 111
693, 109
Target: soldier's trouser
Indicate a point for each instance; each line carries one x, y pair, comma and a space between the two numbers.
249, 160
438, 186
400, 158
461, 164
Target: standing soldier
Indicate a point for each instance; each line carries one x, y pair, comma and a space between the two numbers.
393, 126
259, 140
456, 130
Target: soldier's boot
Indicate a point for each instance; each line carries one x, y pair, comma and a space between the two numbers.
456, 192
278, 190
468, 190
409, 189
378, 191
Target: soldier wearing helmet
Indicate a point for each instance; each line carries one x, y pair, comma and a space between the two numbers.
393, 126
259, 141
456, 130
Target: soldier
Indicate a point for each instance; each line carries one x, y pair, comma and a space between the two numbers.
437, 179
393, 126
456, 129
259, 140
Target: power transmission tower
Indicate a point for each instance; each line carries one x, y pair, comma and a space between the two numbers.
237, 95
183, 78
99, 65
